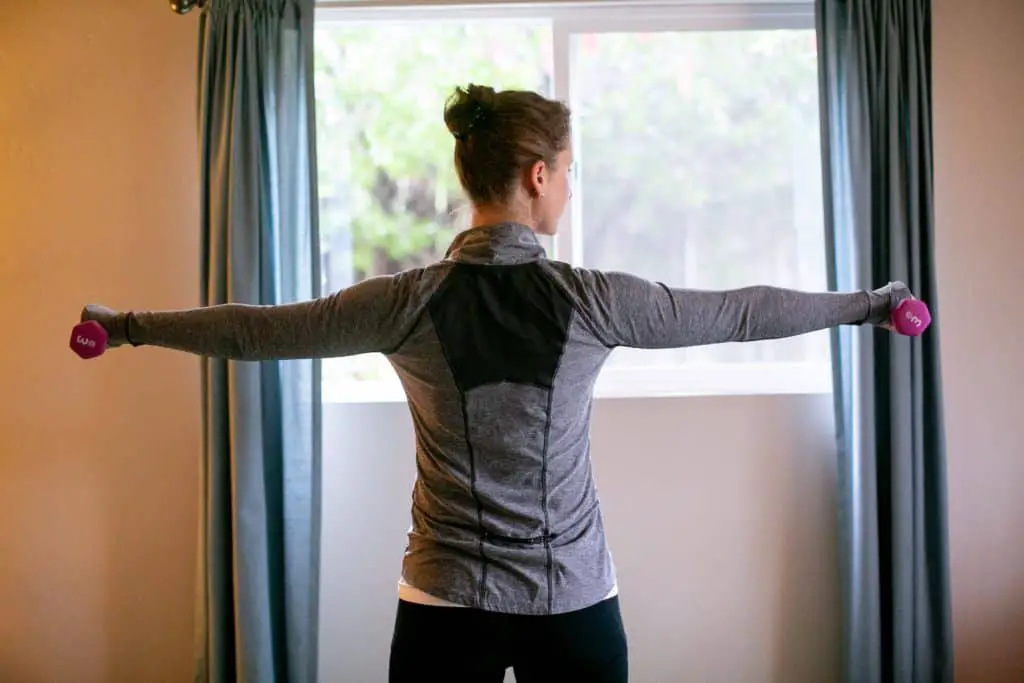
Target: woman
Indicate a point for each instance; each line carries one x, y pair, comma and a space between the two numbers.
498, 349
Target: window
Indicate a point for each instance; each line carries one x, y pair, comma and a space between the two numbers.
698, 161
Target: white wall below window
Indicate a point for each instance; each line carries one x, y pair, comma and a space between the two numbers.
720, 513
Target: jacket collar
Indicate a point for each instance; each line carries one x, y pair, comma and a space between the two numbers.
499, 244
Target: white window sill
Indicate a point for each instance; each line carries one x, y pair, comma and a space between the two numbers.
695, 379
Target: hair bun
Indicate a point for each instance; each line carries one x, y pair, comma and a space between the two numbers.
470, 110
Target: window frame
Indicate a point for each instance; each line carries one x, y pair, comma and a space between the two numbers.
567, 19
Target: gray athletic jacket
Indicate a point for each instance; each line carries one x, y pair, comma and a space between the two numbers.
498, 349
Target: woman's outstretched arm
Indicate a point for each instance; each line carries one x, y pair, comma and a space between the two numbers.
370, 316
630, 311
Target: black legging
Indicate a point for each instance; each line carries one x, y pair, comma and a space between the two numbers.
461, 645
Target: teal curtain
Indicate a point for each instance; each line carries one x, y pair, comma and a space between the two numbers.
875, 68
258, 582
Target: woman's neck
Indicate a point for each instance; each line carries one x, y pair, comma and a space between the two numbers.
493, 215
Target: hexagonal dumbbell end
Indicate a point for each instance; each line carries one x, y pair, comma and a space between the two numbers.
89, 339
911, 317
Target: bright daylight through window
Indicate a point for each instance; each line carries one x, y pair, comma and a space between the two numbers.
698, 162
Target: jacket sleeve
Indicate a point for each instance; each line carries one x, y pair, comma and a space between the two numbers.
626, 310
371, 316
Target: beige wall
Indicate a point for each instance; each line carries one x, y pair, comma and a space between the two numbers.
98, 461
979, 183
98, 202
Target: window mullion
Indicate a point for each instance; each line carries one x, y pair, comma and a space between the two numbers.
562, 61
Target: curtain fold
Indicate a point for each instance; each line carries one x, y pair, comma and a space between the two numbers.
875, 75
258, 562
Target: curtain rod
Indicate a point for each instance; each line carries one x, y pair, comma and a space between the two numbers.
186, 6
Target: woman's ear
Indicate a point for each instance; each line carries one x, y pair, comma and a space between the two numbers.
537, 180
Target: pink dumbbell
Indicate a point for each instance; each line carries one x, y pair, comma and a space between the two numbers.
89, 339
911, 317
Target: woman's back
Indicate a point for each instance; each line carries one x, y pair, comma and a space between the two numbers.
499, 365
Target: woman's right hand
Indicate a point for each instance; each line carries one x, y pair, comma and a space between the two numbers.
113, 322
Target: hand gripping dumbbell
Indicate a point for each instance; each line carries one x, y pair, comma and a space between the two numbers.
911, 317
89, 339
